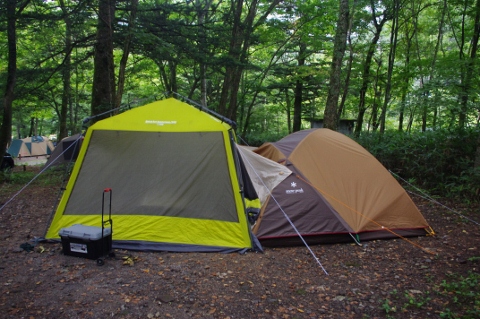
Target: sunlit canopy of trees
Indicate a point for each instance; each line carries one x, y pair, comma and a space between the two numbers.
407, 65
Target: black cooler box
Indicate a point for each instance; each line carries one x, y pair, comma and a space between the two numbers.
86, 241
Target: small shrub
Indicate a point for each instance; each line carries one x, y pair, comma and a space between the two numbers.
440, 161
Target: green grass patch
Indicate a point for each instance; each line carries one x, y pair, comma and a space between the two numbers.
11, 180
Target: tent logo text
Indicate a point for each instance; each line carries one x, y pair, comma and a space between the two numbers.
161, 123
294, 191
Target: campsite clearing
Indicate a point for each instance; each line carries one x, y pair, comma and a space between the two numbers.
380, 279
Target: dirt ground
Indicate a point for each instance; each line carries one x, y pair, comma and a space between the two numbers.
426, 277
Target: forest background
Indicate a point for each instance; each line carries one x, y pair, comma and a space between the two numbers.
405, 71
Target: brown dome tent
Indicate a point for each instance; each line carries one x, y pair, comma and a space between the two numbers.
66, 151
338, 192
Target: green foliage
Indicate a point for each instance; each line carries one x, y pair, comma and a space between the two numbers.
268, 124
440, 161
410, 299
474, 259
461, 293
6, 175
259, 139
388, 306
465, 294
416, 301
174, 43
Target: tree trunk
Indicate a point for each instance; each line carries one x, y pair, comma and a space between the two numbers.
202, 9
410, 120
239, 44
331, 109
248, 112
406, 79
473, 55
6, 129
238, 53
434, 59
32, 131
126, 52
172, 66
288, 110
377, 96
470, 65
391, 62
75, 105
424, 98
103, 93
346, 86
349, 63
401, 114
164, 79
477, 155
66, 74
234, 54
366, 68
297, 103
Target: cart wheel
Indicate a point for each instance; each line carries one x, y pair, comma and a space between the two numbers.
112, 254
100, 262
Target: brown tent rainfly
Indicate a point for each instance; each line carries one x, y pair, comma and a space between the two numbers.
338, 192
66, 151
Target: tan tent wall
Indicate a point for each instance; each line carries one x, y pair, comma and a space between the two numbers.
359, 188
347, 182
